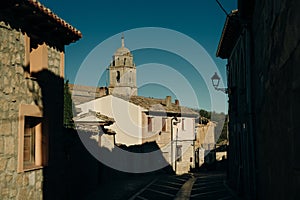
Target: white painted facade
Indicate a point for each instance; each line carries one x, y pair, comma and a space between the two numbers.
139, 120
132, 128
127, 116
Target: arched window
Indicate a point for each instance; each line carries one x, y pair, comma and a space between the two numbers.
118, 77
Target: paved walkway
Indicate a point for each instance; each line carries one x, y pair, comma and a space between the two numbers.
202, 185
120, 189
167, 187
185, 191
210, 186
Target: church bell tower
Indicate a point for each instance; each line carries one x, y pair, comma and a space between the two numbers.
122, 73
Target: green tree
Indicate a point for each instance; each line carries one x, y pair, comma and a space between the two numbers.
68, 107
205, 114
221, 120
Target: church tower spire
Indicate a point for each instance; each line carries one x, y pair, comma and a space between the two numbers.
122, 72
123, 43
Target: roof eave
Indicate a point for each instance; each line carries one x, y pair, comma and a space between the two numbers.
39, 22
229, 35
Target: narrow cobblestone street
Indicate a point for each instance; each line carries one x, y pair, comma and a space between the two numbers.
210, 186
204, 185
201, 185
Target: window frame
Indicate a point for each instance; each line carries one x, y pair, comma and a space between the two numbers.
40, 139
29, 133
164, 122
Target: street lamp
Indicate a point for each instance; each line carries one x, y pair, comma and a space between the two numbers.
216, 81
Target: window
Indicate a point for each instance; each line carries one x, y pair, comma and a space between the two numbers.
179, 153
164, 124
30, 130
150, 124
118, 77
182, 123
33, 142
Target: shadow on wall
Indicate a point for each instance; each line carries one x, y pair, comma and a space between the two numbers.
72, 171
211, 163
107, 174
52, 100
66, 174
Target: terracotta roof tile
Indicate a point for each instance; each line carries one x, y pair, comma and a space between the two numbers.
48, 12
98, 115
158, 105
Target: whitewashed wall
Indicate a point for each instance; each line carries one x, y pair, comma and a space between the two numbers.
127, 116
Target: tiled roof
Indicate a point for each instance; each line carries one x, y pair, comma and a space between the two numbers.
158, 105
230, 34
82, 94
39, 22
84, 88
90, 122
48, 12
97, 115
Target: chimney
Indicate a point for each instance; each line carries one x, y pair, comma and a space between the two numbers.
176, 102
168, 101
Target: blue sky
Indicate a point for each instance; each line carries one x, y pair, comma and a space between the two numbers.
99, 21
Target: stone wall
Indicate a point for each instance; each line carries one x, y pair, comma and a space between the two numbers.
187, 159
205, 137
15, 89
54, 61
276, 89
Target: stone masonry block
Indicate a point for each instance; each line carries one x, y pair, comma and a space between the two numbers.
3, 162
9, 178
13, 193
19, 180
31, 178
5, 127
2, 180
1, 145
5, 193
9, 145
11, 165
25, 180
22, 194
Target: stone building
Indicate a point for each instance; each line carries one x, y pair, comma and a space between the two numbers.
122, 73
140, 120
261, 43
205, 141
122, 79
32, 41
82, 93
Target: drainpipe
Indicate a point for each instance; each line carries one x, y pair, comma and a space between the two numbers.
176, 150
174, 118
